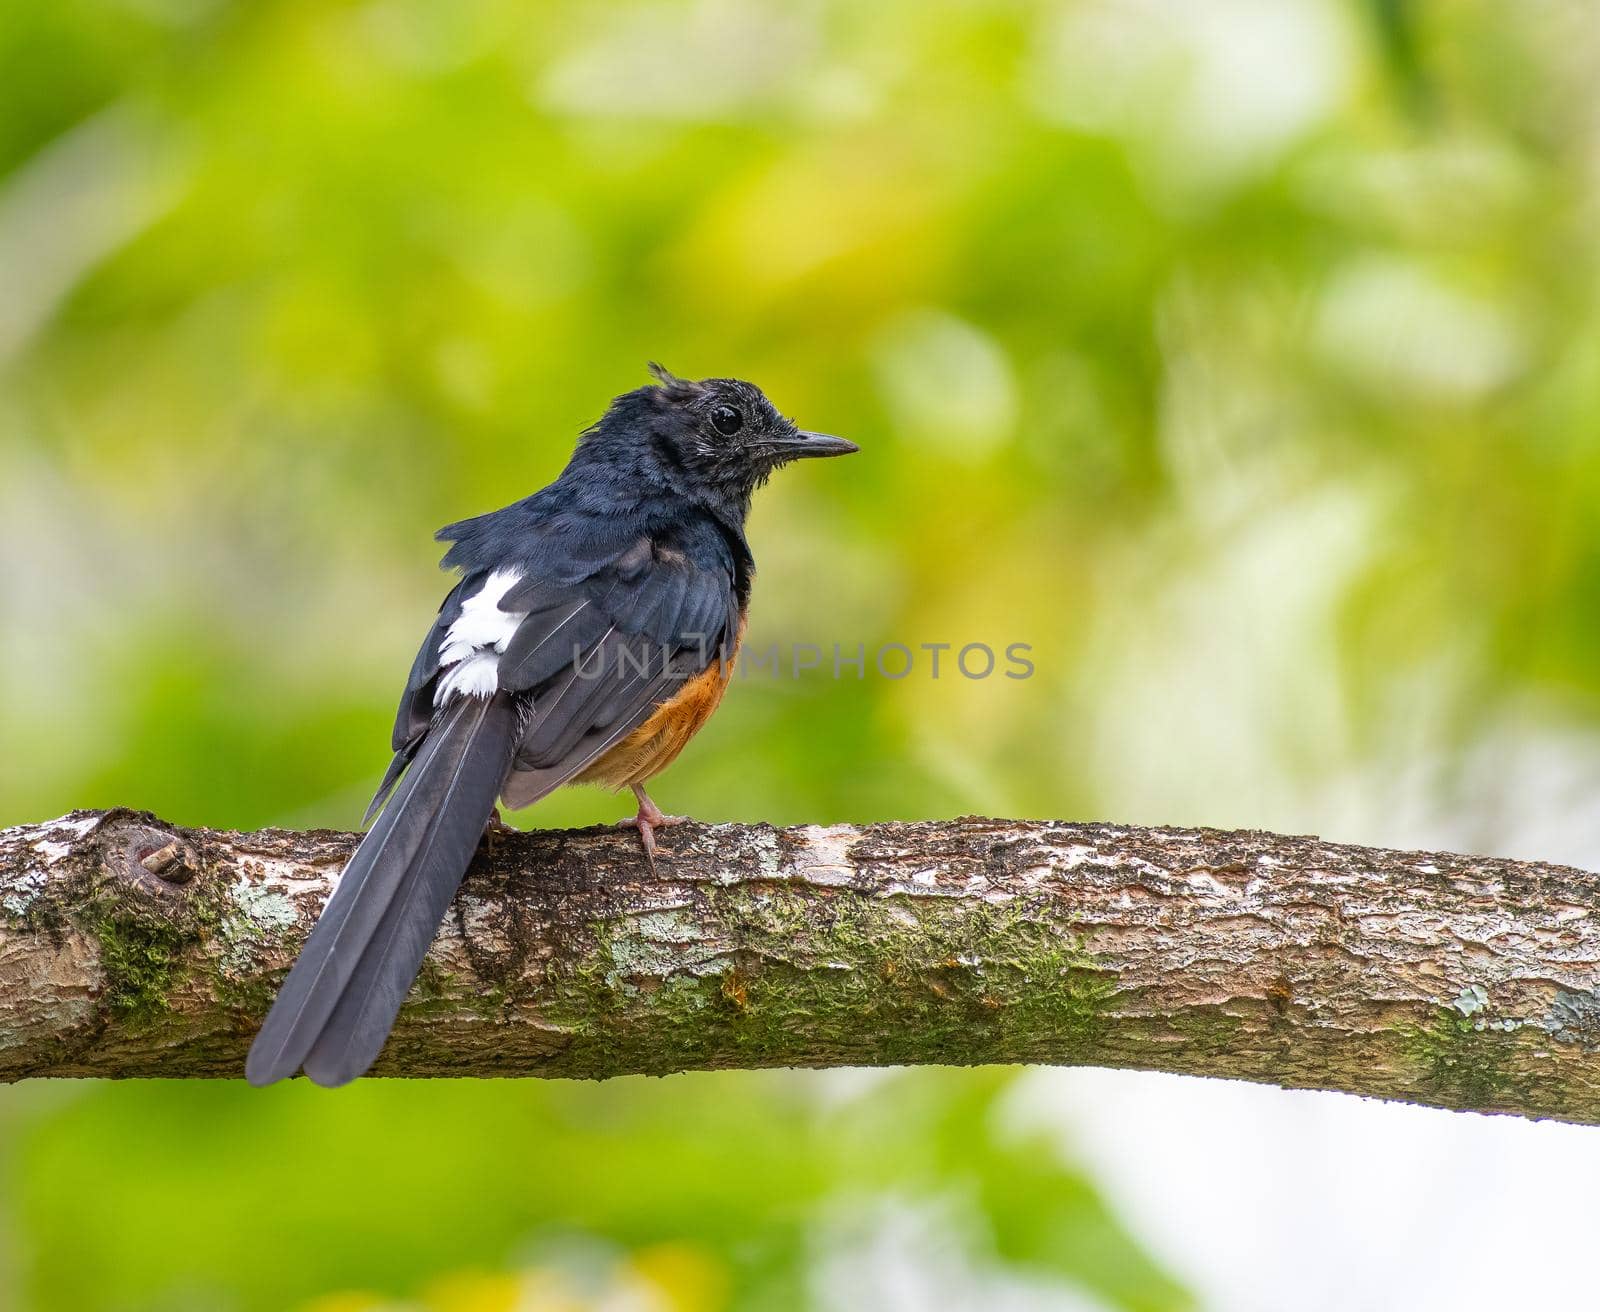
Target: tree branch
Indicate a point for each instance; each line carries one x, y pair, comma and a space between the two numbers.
131, 947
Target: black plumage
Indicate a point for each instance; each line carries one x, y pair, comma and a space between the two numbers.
360, 959
590, 635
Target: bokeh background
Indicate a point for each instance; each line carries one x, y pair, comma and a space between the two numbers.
1242, 356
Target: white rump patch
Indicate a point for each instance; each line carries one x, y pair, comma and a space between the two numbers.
470, 654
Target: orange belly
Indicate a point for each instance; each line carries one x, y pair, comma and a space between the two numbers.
655, 744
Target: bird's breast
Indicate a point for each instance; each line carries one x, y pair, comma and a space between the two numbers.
655, 744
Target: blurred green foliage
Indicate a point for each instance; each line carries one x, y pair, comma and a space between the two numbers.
1243, 358
194, 1196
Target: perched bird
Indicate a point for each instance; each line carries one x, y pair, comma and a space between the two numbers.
592, 633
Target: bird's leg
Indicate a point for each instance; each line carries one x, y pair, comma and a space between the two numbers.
494, 830
647, 821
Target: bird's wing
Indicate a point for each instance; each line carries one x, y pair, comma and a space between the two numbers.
596, 667
590, 645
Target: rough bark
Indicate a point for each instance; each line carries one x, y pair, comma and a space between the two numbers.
131, 947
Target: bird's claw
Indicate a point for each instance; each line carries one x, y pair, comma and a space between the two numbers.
494, 831
647, 821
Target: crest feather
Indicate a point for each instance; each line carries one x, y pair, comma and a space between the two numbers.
675, 386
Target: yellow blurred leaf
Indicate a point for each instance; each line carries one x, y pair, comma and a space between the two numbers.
348, 1301
478, 1292
690, 1278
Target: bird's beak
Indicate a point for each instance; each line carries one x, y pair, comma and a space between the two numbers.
803, 444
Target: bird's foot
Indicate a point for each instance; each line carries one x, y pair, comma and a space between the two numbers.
494, 831
647, 821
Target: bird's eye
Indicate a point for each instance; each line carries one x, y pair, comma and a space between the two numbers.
726, 420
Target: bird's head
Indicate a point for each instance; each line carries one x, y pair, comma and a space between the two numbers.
720, 437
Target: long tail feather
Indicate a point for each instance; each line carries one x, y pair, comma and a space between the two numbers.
335, 1008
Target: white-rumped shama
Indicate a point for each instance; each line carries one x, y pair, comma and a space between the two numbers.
590, 637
